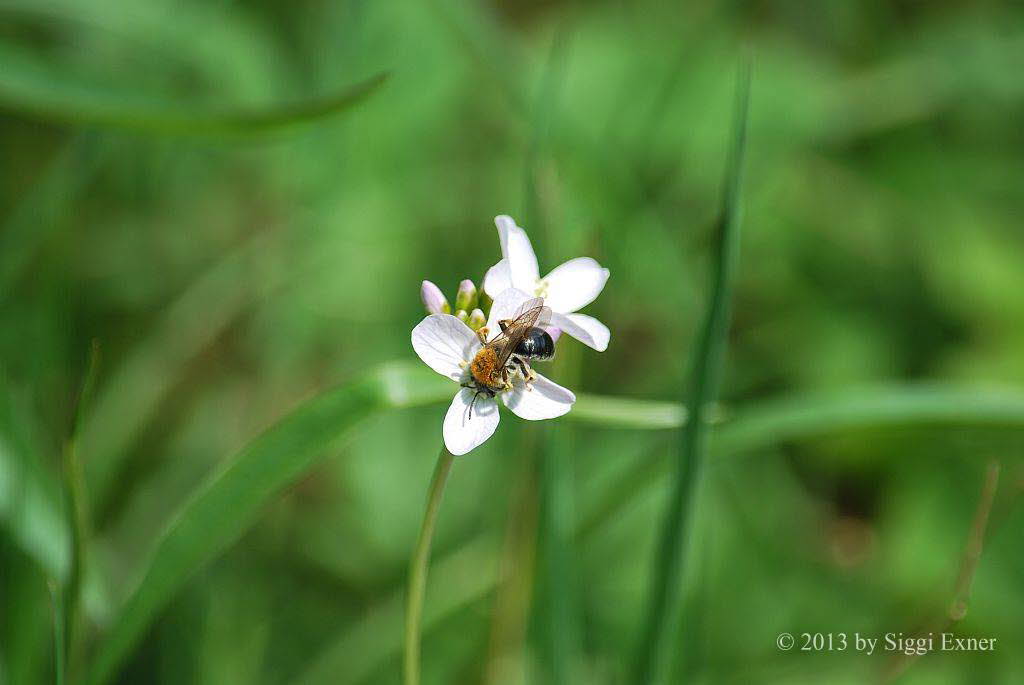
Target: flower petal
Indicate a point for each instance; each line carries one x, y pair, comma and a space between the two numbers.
575, 284
443, 342
586, 329
517, 251
505, 306
463, 432
497, 279
546, 400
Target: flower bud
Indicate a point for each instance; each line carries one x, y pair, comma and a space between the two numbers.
466, 297
433, 299
462, 316
477, 320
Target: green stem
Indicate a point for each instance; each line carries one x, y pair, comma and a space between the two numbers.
59, 641
418, 569
659, 643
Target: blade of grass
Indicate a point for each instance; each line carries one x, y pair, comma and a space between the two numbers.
38, 214
511, 605
957, 609
625, 412
664, 608
814, 414
560, 626
212, 43
231, 499
77, 105
132, 394
77, 514
552, 607
59, 618
30, 512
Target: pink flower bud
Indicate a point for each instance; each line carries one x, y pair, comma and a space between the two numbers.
433, 299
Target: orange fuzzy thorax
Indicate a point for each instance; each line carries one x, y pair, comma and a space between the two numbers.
484, 367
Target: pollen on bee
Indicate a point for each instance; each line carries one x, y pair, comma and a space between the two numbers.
484, 366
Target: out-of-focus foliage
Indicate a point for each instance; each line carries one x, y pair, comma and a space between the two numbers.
231, 275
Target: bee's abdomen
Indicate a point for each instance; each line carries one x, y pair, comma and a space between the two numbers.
536, 344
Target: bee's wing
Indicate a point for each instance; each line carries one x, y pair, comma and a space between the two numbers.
543, 317
527, 306
531, 313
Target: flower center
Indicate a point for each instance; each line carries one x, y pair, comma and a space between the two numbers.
542, 288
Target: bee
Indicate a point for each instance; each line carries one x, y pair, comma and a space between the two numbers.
521, 340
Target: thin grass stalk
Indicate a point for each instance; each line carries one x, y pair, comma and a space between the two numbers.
552, 608
515, 580
957, 610
659, 643
59, 640
76, 504
560, 628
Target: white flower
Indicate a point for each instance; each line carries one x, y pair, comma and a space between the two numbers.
569, 287
447, 345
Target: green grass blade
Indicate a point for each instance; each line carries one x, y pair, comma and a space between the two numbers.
131, 395
552, 608
824, 413
30, 512
76, 508
41, 211
59, 618
819, 413
22, 91
813, 415
623, 412
658, 641
231, 499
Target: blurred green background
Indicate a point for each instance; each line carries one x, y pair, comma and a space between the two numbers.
181, 183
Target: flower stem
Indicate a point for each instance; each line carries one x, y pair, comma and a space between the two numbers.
418, 569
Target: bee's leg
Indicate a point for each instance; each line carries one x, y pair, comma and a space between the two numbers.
486, 391
530, 375
527, 372
505, 379
482, 334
